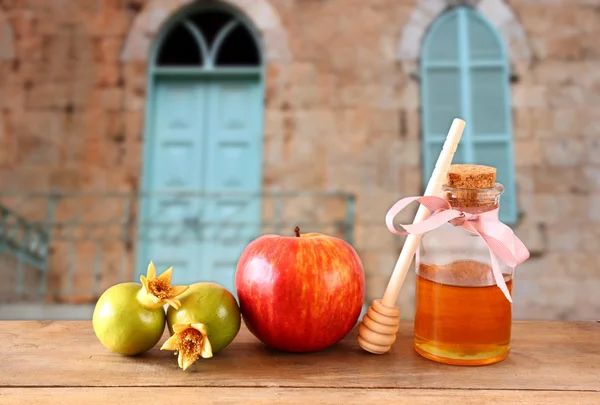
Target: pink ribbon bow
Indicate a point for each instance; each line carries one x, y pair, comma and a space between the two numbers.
499, 238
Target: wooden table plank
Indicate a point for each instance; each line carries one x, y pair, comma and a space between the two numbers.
545, 356
289, 396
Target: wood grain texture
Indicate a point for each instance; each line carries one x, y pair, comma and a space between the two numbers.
290, 396
552, 356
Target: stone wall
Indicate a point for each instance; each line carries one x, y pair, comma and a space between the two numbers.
342, 113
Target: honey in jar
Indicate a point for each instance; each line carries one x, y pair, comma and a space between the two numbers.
462, 317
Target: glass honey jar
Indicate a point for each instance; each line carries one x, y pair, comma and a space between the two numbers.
462, 317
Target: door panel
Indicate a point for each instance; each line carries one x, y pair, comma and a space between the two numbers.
206, 139
174, 165
233, 174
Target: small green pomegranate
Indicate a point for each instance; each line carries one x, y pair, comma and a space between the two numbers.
129, 318
206, 322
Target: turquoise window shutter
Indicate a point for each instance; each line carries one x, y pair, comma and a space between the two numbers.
465, 74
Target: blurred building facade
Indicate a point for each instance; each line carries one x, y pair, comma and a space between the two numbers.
323, 99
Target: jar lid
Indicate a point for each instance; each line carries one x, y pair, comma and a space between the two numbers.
471, 176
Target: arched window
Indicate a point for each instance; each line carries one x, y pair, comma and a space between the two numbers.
208, 39
465, 74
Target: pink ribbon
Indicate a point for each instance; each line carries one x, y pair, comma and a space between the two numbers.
499, 238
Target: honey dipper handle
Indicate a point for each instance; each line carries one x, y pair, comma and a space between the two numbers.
434, 187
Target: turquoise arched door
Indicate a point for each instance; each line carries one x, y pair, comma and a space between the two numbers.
202, 164
465, 74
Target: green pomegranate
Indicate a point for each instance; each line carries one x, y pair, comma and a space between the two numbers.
206, 322
129, 318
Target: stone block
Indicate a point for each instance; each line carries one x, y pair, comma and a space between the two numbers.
107, 49
383, 97
93, 125
525, 180
107, 22
592, 174
23, 22
314, 125
410, 96
134, 75
568, 47
65, 178
374, 284
527, 153
590, 244
385, 122
7, 41
591, 121
274, 136
386, 158
542, 124
567, 122
371, 237
558, 208
564, 238
306, 168
534, 235
554, 72
47, 95
522, 123
117, 262
12, 94
592, 147
82, 45
564, 152
30, 48
304, 96
411, 153
133, 125
587, 303
302, 73
586, 71
134, 99
351, 95
83, 91
412, 181
529, 96
133, 153
567, 96
560, 179
44, 124
107, 99
530, 123
59, 45
115, 127
108, 75
26, 178
374, 204
411, 124
594, 207
354, 121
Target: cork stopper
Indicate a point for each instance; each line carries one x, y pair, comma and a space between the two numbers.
472, 188
471, 176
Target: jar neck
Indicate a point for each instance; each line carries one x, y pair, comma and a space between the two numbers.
473, 200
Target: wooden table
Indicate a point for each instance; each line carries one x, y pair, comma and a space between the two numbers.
63, 363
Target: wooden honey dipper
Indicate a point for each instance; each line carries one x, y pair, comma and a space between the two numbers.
377, 331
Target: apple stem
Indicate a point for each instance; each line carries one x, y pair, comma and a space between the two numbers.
297, 230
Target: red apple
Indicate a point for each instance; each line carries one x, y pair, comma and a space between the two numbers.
300, 293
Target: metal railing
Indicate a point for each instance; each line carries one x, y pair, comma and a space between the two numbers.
69, 247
